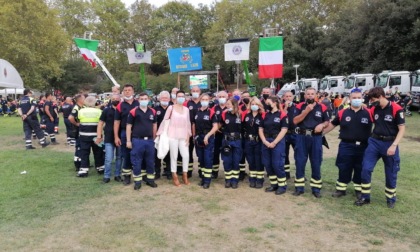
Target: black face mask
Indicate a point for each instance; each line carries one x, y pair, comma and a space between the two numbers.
265, 96
115, 103
245, 100
269, 108
375, 104
310, 101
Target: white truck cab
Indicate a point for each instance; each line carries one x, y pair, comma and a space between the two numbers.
360, 81
415, 88
332, 84
390, 80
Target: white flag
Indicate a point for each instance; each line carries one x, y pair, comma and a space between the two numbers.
237, 51
139, 57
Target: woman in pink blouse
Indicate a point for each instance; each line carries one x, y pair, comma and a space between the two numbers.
179, 133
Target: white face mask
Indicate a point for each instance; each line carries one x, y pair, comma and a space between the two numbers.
195, 95
222, 100
173, 96
128, 97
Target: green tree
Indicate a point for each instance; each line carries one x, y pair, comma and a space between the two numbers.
32, 40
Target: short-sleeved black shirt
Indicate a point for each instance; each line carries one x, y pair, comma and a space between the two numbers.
25, 105
50, 108
66, 109
231, 123
142, 122
291, 111
318, 115
160, 114
251, 123
273, 122
122, 111
107, 117
192, 107
387, 119
354, 126
204, 120
218, 111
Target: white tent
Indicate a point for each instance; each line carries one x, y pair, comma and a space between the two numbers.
10, 80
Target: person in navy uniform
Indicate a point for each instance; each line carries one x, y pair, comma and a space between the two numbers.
66, 109
265, 93
27, 111
251, 121
74, 120
355, 127
272, 131
193, 105
310, 119
218, 110
231, 148
204, 126
120, 123
141, 132
50, 117
290, 108
164, 100
237, 94
107, 118
389, 129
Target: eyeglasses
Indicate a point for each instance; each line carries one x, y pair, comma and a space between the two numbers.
356, 90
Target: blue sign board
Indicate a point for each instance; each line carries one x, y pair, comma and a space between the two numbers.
185, 59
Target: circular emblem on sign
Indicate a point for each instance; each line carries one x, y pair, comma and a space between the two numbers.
227, 121
158, 112
348, 118
237, 50
139, 55
5, 72
376, 117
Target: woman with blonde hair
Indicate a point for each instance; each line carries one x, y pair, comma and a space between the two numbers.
231, 124
344, 104
251, 121
179, 133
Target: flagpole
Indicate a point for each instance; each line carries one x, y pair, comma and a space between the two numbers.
106, 71
143, 78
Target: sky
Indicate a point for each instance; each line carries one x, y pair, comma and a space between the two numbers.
159, 3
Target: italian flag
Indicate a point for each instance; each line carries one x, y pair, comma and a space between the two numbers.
270, 58
87, 49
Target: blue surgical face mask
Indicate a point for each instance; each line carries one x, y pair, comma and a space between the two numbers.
254, 107
204, 103
164, 103
180, 100
173, 96
222, 100
356, 102
195, 95
237, 97
144, 103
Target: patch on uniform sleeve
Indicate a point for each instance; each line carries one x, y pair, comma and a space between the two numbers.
74, 111
402, 115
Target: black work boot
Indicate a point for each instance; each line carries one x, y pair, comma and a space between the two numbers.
338, 194
272, 188
127, 179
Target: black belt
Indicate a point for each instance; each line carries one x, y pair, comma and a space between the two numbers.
202, 133
232, 136
307, 132
354, 142
143, 138
383, 138
252, 138
271, 135
290, 132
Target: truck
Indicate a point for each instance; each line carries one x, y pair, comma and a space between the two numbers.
415, 88
304, 83
292, 87
332, 84
390, 80
360, 81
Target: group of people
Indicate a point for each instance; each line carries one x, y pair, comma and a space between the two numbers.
232, 127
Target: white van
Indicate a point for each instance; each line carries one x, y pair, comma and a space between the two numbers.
360, 81
415, 88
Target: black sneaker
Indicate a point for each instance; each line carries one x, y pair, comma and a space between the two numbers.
82, 175
362, 201
358, 195
234, 185
258, 185
338, 194
228, 185
137, 186
106, 180
45, 144
206, 186
214, 175
271, 188
316, 194
252, 184
151, 184
30, 148
127, 180
298, 193
118, 178
280, 191
390, 205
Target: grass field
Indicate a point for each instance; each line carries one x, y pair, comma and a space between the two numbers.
49, 209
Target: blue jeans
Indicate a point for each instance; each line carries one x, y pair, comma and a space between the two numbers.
109, 156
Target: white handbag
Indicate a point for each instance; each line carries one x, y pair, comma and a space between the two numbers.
162, 141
